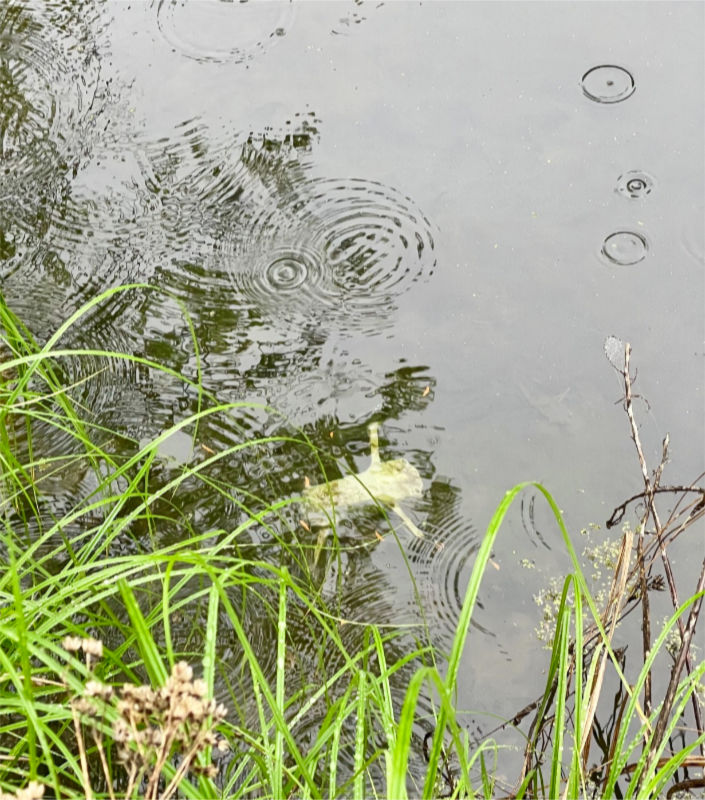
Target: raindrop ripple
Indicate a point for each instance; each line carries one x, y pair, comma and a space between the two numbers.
608, 83
220, 32
333, 253
441, 564
635, 184
625, 248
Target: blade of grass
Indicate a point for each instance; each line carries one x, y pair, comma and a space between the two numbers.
360, 737
143, 637
564, 667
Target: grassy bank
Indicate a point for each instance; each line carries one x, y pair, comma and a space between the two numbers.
127, 661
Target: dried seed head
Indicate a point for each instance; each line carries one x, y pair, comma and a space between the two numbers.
141, 699
97, 689
123, 708
84, 706
209, 771
125, 755
71, 644
121, 731
32, 791
154, 737
182, 672
92, 647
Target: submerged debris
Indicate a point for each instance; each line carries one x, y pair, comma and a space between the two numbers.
384, 482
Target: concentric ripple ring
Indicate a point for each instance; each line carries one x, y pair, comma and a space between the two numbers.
220, 32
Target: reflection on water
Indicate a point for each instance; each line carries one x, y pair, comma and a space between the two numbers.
284, 252
49, 90
441, 563
53, 100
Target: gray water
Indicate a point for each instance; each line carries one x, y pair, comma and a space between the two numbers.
405, 212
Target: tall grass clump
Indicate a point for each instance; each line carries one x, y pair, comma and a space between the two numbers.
105, 572
145, 654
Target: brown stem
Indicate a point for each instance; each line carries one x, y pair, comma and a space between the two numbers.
650, 510
650, 490
98, 739
619, 512
183, 767
82, 755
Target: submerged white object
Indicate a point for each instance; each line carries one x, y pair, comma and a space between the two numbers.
385, 482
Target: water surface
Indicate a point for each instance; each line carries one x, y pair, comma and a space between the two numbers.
429, 215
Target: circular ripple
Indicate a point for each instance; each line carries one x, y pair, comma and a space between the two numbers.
53, 98
340, 388
376, 241
218, 213
608, 83
287, 272
89, 241
348, 248
635, 184
283, 271
625, 248
222, 31
442, 569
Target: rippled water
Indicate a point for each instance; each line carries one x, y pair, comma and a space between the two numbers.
429, 215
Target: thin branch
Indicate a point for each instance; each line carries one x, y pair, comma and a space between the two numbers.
620, 510
650, 510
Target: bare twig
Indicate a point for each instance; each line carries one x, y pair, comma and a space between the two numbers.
650, 510
98, 739
620, 510
683, 658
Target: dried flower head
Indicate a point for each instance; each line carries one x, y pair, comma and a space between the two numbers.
92, 647
72, 644
174, 723
32, 791
84, 706
98, 689
181, 673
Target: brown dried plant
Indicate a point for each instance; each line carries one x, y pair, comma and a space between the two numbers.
33, 791
151, 728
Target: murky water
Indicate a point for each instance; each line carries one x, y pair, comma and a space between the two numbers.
430, 215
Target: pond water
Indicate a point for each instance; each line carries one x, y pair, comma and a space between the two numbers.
427, 215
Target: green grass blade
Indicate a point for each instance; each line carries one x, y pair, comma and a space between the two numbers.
360, 738
279, 689
622, 752
561, 643
143, 637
